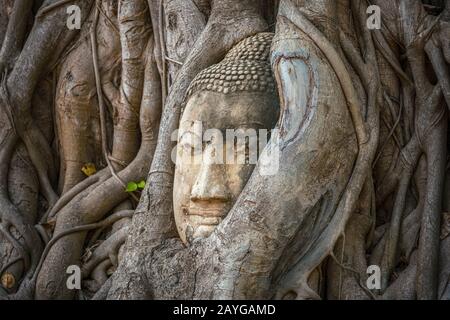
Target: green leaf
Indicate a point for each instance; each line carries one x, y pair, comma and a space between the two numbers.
141, 185
131, 186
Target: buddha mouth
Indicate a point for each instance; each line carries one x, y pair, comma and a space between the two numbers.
207, 216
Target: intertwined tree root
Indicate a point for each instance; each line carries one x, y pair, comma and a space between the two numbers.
364, 151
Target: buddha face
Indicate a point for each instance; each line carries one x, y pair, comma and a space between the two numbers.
205, 190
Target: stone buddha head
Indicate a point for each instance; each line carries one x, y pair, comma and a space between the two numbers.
235, 96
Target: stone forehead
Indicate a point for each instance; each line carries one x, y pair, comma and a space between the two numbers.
246, 67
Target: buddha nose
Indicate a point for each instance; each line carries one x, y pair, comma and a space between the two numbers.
211, 184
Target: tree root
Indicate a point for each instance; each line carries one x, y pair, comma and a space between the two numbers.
108, 249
